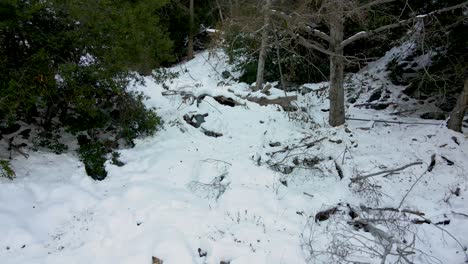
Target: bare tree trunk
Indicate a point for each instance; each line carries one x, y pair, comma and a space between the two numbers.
191, 29
456, 117
220, 11
263, 47
336, 93
278, 57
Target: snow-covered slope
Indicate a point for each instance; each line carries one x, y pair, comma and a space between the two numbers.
182, 191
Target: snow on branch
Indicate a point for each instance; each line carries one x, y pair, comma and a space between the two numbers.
373, 3
365, 34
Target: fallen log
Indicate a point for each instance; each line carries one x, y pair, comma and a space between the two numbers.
284, 102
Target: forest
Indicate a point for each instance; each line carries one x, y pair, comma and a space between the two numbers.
233, 131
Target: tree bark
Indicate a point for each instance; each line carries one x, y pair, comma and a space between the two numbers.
263, 48
191, 29
336, 93
456, 117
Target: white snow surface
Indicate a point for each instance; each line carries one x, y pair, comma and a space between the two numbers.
181, 190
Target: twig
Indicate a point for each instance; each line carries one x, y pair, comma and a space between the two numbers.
217, 160
463, 248
429, 168
388, 172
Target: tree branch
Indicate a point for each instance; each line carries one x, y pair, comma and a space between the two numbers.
371, 4
390, 171
318, 33
365, 34
314, 45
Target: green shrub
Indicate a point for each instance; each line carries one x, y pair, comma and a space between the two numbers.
6, 171
61, 70
49, 141
115, 159
134, 118
93, 155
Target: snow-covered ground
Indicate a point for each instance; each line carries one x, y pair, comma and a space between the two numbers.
182, 191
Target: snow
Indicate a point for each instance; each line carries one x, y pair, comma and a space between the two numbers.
181, 190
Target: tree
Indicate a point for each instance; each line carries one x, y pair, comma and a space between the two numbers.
458, 113
66, 65
263, 46
191, 31
334, 15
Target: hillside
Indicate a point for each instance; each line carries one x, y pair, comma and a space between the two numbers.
244, 183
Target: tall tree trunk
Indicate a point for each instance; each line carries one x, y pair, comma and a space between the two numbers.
456, 117
191, 30
336, 93
263, 47
278, 57
220, 11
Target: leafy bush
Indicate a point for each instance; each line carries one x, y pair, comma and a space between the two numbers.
115, 159
50, 141
66, 66
93, 155
6, 171
134, 118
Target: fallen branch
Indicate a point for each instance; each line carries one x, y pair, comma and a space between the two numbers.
429, 169
393, 122
284, 102
289, 150
387, 172
391, 209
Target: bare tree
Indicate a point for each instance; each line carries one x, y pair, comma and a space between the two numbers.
263, 46
334, 14
458, 113
191, 31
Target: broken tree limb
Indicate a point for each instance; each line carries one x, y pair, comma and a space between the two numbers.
393, 122
282, 101
191, 97
306, 145
388, 172
266, 88
429, 169
391, 209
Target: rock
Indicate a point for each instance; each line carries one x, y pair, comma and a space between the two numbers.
10, 129
381, 106
226, 101
375, 96
351, 100
433, 115
325, 215
25, 133
156, 260
274, 144
202, 253
225, 262
410, 90
195, 120
226, 74
311, 162
211, 133
284, 182
287, 169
